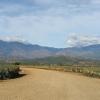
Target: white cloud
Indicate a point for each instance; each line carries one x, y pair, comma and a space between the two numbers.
48, 6
79, 40
12, 38
96, 1
33, 24
41, 21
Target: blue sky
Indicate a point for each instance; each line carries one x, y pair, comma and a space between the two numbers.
56, 23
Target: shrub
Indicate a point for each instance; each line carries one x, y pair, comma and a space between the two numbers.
9, 71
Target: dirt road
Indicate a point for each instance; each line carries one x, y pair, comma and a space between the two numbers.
50, 85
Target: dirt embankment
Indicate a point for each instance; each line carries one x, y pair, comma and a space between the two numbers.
50, 85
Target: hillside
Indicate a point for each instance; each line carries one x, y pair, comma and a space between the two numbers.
87, 52
18, 50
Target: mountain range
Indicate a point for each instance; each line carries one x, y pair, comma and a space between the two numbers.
18, 50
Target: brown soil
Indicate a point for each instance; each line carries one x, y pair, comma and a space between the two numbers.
41, 84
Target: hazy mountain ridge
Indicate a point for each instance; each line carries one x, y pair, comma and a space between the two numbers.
18, 50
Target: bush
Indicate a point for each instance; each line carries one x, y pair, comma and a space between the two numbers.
9, 71
17, 63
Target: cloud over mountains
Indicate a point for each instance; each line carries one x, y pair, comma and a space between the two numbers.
75, 40
52, 19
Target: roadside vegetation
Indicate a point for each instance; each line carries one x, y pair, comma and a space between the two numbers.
87, 71
86, 67
9, 71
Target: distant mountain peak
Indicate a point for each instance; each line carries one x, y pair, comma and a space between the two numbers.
20, 50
